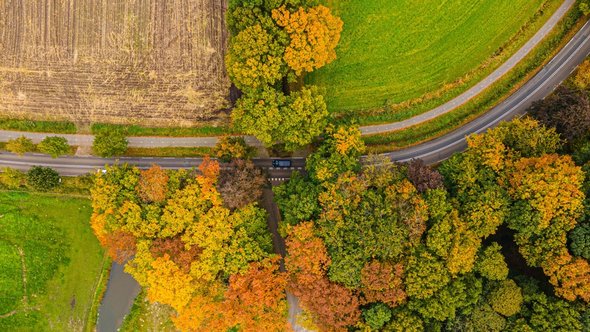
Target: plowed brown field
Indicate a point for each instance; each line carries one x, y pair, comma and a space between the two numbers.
152, 62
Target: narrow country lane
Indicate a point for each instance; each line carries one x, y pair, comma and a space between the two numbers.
274, 217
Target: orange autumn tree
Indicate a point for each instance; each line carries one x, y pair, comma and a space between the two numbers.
189, 251
152, 184
333, 307
314, 34
255, 301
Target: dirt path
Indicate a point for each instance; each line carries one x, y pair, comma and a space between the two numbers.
279, 246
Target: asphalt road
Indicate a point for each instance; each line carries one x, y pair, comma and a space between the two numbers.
72, 166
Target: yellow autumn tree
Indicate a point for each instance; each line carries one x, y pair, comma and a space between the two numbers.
168, 284
314, 34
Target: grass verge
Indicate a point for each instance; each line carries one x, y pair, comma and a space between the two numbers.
135, 130
54, 261
179, 152
145, 317
101, 287
488, 99
57, 127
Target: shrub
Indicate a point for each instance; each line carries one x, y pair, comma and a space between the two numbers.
43, 178
110, 143
12, 178
54, 146
20, 145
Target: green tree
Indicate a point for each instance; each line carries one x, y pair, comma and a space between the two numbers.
543, 312
483, 318
110, 143
377, 316
20, 145
297, 199
460, 295
54, 146
404, 320
425, 275
490, 263
506, 299
274, 117
580, 240
43, 178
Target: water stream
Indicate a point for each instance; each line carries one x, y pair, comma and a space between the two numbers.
118, 299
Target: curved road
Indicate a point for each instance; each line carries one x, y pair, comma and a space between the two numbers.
540, 86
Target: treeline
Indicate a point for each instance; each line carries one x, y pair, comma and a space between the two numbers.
274, 44
494, 239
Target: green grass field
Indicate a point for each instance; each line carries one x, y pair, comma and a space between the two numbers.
50, 263
393, 52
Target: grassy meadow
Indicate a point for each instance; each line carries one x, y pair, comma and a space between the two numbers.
50, 263
403, 57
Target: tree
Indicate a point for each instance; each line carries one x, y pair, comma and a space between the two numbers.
110, 143
377, 316
168, 284
585, 7
459, 295
490, 263
543, 312
121, 246
404, 320
425, 275
567, 110
256, 301
297, 199
20, 145
43, 178
255, 58
187, 247
232, 147
506, 299
338, 154
332, 306
152, 184
369, 216
314, 34
274, 117
580, 240
241, 185
483, 318
550, 186
423, 177
54, 146
383, 282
